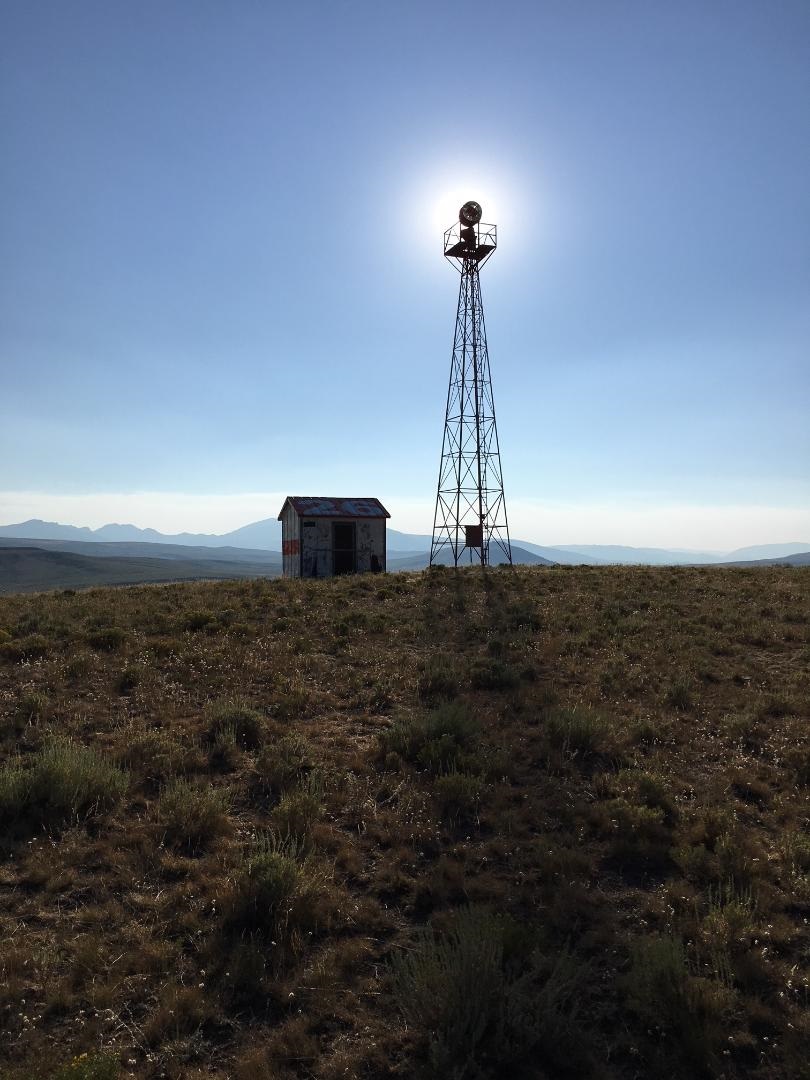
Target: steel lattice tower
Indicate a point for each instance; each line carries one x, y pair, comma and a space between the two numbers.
470, 505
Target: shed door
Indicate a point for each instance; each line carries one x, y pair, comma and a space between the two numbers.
344, 547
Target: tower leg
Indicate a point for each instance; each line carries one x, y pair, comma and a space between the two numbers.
470, 522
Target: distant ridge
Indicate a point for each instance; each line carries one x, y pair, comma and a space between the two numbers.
35, 529
265, 536
421, 560
35, 569
800, 558
139, 549
622, 555
768, 551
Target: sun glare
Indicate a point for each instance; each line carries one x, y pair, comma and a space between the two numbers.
439, 194
496, 194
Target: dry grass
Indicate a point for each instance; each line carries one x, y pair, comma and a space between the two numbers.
414, 825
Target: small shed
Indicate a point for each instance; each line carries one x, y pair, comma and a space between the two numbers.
324, 536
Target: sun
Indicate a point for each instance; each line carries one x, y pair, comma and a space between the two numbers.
447, 199
438, 193
435, 186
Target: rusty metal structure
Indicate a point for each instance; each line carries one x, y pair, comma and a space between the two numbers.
470, 514
322, 536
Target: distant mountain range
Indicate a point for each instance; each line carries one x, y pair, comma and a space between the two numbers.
265, 536
33, 564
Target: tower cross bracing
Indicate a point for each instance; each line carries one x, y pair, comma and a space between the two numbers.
470, 522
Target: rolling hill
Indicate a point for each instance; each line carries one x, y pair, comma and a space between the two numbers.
34, 569
420, 561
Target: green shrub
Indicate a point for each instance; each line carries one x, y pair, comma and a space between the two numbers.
297, 812
645, 732
32, 706
438, 679
151, 755
458, 796
164, 647
193, 621
225, 751
106, 638
70, 779
496, 646
640, 836
440, 755
656, 986
434, 740
33, 647
79, 665
291, 704
798, 760
696, 862
679, 695
191, 816
775, 706
245, 973
492, 675
282, 764
15, 790
576, 732
30, 621
651, 789
523, 616
795, 848
126, 681
182, 1011
664, 995
280, 893
64, 780
479, 1011
99, 1066
743, 728
263, 885
449, 990
729, 921
246, 724
738, 859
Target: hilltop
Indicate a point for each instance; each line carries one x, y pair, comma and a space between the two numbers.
538, 822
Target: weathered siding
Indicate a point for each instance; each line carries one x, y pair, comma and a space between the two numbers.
316, 546
307, 544
290, 543
370, 541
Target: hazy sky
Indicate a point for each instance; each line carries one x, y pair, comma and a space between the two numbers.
220, 230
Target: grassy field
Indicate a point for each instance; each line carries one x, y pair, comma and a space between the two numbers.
533, 823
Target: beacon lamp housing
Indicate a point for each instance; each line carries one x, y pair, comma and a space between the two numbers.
470, 240
470, 213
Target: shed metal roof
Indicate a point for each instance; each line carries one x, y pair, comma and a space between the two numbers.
325, 506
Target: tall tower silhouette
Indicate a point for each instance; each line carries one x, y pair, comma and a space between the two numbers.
470, 506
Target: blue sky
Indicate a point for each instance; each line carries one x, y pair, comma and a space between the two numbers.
222, 278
